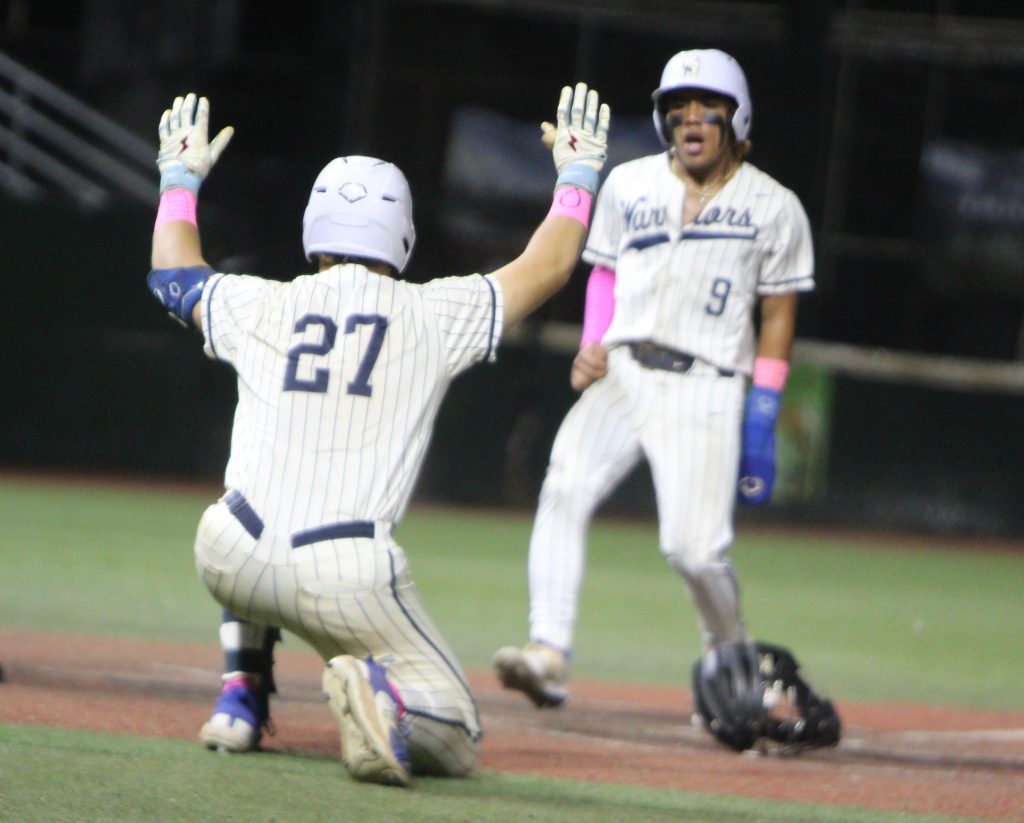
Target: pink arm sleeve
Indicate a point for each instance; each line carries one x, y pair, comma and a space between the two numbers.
599, 306
176, 204
771, 373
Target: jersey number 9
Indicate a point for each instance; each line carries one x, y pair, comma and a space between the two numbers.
720, 288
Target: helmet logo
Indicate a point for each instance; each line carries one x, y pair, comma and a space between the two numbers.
691, 68
352, 191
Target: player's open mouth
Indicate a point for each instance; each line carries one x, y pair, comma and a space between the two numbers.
693, 143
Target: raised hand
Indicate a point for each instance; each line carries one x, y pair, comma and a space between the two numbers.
186, 155
580, 145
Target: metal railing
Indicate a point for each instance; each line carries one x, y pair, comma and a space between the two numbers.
866, 363
51, 141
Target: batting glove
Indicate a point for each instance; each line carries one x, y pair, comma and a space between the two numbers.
186, 156
581, 141
757, 460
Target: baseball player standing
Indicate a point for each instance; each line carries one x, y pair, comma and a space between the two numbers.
340, 377
685, 244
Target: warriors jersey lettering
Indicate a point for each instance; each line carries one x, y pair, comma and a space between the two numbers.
340, 377
693, 288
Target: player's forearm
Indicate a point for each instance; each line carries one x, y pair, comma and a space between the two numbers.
778, 326
553, 251
761, 410
599, 305
176, 243
178, 271
543, 268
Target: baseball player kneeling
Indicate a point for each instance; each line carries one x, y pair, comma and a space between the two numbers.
340, 376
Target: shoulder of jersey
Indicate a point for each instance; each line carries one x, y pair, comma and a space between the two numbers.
762, 181
648, 164
639, 169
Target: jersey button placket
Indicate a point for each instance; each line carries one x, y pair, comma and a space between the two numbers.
663, 319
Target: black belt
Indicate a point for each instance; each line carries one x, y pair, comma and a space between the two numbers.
333, 531
244, 513
251, 522
651, 356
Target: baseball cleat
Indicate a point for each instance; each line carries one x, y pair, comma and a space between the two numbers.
370, 716
538, 670
237, 721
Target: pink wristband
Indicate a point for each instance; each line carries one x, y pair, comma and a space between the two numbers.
176, 204
570, 201
599, 305
771, 373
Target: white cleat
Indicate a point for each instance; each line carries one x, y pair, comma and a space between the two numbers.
538, 670
237, 722
369, 715
224, 733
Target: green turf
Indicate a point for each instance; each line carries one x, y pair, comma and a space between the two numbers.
868, 621
83, 777
103, 560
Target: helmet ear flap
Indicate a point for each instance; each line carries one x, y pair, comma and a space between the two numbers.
664, 130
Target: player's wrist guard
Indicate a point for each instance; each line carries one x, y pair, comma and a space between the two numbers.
176, 175
176, 204
757, 459
580, 176
569, 201
179, 290
771, 373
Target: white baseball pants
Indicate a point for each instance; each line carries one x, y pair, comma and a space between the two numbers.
349, 596
688, 428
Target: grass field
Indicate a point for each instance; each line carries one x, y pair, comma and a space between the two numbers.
870, 620
115, 779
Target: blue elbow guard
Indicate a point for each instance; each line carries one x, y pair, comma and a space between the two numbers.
179, 290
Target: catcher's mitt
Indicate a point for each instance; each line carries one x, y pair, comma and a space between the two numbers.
747, 691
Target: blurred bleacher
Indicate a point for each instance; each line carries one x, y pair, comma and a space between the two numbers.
893, 121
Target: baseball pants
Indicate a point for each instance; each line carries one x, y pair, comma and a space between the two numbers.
688, 428
349, 596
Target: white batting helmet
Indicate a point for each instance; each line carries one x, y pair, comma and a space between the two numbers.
360, 207
709, 69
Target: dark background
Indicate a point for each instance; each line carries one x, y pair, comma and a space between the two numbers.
858, 107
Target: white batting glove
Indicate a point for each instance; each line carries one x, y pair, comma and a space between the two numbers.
580, 145
186, 156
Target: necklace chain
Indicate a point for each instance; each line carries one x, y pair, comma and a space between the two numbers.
710, 190
707, 192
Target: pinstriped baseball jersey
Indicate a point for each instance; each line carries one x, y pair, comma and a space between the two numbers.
693, 288
340, 377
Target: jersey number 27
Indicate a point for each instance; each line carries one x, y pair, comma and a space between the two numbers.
360, 384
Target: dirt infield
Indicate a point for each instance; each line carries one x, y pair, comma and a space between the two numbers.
902, 758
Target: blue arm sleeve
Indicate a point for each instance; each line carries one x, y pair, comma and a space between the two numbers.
178, 290
757, 459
